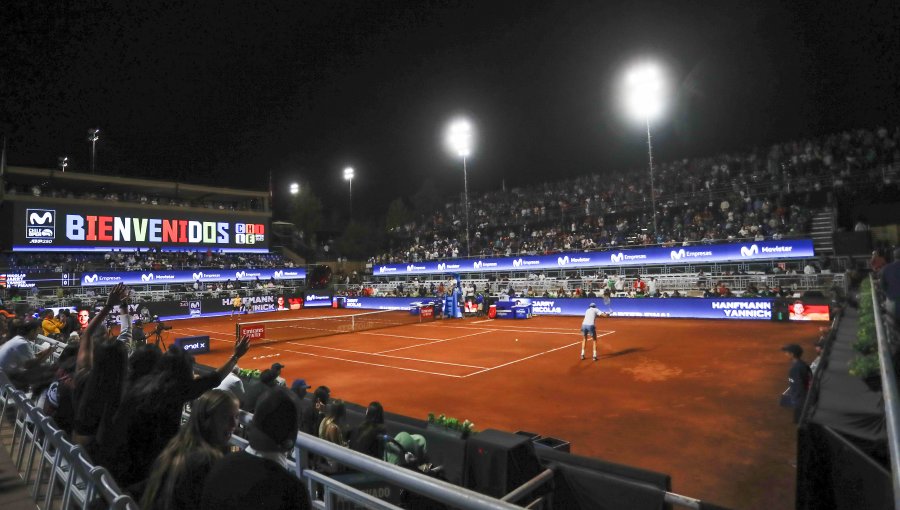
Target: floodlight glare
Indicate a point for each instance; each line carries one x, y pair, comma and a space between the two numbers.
294, 188
348, 173
459, 138
644, 91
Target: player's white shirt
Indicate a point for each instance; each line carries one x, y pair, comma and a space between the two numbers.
590, 315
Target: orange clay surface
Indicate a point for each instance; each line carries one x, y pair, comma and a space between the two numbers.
697, 399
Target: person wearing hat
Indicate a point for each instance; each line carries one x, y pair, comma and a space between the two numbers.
405, 450
258, 477
306, 409
799, 379
276, 367
588, 328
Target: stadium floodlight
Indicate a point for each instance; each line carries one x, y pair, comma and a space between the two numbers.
645, 91
294, 188
460, 141
349, 173
93, 136
63, 162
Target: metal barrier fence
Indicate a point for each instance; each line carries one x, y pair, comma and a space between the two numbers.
889, 388
51, 466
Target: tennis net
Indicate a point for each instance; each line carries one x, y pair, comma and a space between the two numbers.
285, 330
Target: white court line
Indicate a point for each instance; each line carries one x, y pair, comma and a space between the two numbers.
529, 357
486, 320
571, 331
398, 336
372, 364
437, 342
383, 355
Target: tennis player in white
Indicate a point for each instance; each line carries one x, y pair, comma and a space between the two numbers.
588, 328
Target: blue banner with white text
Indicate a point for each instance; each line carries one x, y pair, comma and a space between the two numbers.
732, 252
190, 276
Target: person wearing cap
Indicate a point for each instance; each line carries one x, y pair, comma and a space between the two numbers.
306, 409
258, 477
276, 367
799, 379
588, 328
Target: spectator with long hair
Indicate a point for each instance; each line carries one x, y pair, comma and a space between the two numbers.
331, 429
366, 438
177, 478
150, 414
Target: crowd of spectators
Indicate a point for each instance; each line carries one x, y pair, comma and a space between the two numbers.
133, 260
766, 193
38, 190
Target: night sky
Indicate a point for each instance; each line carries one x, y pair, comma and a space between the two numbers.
224, 91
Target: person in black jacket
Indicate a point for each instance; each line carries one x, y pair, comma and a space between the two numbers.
366, 438
799, 379
258, 477
306, 409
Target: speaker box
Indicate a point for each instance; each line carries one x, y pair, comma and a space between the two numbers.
497, 462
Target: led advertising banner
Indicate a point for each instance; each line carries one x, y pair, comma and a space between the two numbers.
733, 252
205, 307
42, 227
317, 299
680, 308
201, 275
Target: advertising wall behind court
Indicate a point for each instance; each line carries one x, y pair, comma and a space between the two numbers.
39, 227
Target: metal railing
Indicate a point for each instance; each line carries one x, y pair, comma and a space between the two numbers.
889, 388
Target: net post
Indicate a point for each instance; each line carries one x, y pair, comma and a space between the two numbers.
352, 323
237, 331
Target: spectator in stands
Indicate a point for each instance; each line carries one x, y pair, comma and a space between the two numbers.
877, 262
366, 438
138, 336
306, 409
60, 402
639, 287
799, 378
258, 477
69, 324
233, 383
332, 430
256, 388
276, 367
150, 413
17, 359
51, 326
142, 362
322, 398
178, 475
100, 374
890, 284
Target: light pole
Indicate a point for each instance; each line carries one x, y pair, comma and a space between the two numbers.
294, 188
459, 139
93, 136
348, 176
644, 97
63, 162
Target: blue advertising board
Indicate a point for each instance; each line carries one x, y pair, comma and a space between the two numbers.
201, 275
732, 252
194, 344
317, 299
676, 308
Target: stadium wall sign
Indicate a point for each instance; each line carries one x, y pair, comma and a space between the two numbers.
732, 252
202, 275
39, 227
174, 309
681, 308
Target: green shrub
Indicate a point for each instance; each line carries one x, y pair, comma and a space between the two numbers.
865, 366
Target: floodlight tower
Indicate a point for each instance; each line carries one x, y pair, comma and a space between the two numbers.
349, 173
294, 188
93, 136
644, 97
459, 140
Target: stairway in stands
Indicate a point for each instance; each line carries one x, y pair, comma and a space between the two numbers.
822, 232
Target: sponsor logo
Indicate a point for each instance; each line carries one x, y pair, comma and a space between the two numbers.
749, 252
517, 262
278, 274
442, 266
254, 331
314, 297
477, 264
197, 276
562, 260
40, 223
682, 254
617, 257
386, 269
147, 277
239, 274
90, 278
194, 307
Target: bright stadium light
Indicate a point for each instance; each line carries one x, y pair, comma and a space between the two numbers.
460, 141
63, 162
645, 90
349, 173
294, 188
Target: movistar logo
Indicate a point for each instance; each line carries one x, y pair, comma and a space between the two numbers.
239, 274
411, 267
278, 275
45, 217
147, 277
749, 252
617, 257
90, 278
477, 264
562, 260
198, 276
442, 266
517, 262
677, 254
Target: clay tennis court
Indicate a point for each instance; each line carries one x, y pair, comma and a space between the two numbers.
696, 399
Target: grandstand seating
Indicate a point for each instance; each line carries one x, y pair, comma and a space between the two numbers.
767, 193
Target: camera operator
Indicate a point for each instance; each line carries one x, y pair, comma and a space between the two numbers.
137, 333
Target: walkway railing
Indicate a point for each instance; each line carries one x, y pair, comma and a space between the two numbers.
889, 389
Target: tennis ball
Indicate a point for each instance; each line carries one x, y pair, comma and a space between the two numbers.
517, 339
